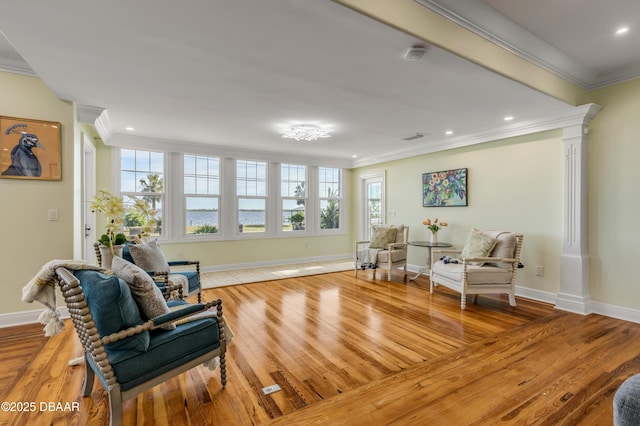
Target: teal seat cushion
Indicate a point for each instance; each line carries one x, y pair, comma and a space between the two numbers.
113, 309
192, 278
168, 350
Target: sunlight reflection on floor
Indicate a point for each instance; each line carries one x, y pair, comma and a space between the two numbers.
241, 276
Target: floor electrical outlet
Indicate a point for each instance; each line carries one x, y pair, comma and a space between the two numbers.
271, 389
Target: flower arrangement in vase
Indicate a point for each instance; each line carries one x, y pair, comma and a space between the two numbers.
434, 226
112, 208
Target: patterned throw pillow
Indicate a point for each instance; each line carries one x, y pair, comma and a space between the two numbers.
149, 257
382, 236
477, 245
145, 292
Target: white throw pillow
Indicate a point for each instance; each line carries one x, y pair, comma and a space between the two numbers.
145, 292
149, 257
477, 245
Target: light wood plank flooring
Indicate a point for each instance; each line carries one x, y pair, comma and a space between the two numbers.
356, 352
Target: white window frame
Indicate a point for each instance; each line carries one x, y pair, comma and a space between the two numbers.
174, 205
166, 227
217, 196
267, 197
282, 198
319, 198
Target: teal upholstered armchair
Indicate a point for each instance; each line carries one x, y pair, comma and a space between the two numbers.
150, 258
130, 352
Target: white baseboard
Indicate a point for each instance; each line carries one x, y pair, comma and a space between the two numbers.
27, 317
614, 311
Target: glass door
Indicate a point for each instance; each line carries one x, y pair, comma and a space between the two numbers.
373, 205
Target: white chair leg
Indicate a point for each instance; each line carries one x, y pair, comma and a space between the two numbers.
463, 301
512, 299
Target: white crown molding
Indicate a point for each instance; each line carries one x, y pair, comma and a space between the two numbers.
170, 145
500, 30
618, 76
88, 114
104, 127
18, 70
571, 116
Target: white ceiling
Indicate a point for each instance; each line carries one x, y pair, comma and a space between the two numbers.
232, 73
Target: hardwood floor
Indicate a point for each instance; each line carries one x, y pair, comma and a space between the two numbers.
355, 351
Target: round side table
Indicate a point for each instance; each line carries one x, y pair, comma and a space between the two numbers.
429, 245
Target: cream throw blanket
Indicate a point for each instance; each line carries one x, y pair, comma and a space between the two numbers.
42, 288
181, 280
368, 258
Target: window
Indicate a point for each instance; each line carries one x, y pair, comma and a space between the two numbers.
141, 178
207, 195
201, 194
329, 192
251, 190
294, 197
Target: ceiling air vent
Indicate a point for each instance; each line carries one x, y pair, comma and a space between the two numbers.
413, 137
415, 53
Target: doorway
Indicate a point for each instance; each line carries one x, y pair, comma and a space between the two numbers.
88, 193
373, 202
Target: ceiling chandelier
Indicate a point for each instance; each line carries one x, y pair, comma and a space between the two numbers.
304, 132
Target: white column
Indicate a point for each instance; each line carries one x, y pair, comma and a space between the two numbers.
574, 294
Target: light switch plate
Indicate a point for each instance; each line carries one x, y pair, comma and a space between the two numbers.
52, 214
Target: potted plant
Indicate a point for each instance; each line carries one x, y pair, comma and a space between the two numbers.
111, 242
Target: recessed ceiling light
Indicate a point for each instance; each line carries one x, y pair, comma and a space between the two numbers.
129, 128
622, 30
354, 156
448, 132
508, 118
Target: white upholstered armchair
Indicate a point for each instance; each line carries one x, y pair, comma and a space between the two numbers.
387, 249
487, 264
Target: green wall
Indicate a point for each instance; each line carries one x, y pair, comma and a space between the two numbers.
614, 202
28, 239
513, 184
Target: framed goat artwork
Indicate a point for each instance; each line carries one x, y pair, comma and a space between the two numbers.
447, 188
29, 149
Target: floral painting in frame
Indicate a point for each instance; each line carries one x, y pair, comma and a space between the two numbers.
447, 188
29, 149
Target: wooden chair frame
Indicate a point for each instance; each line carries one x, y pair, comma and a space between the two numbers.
94, 346
389, 265
474, 289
